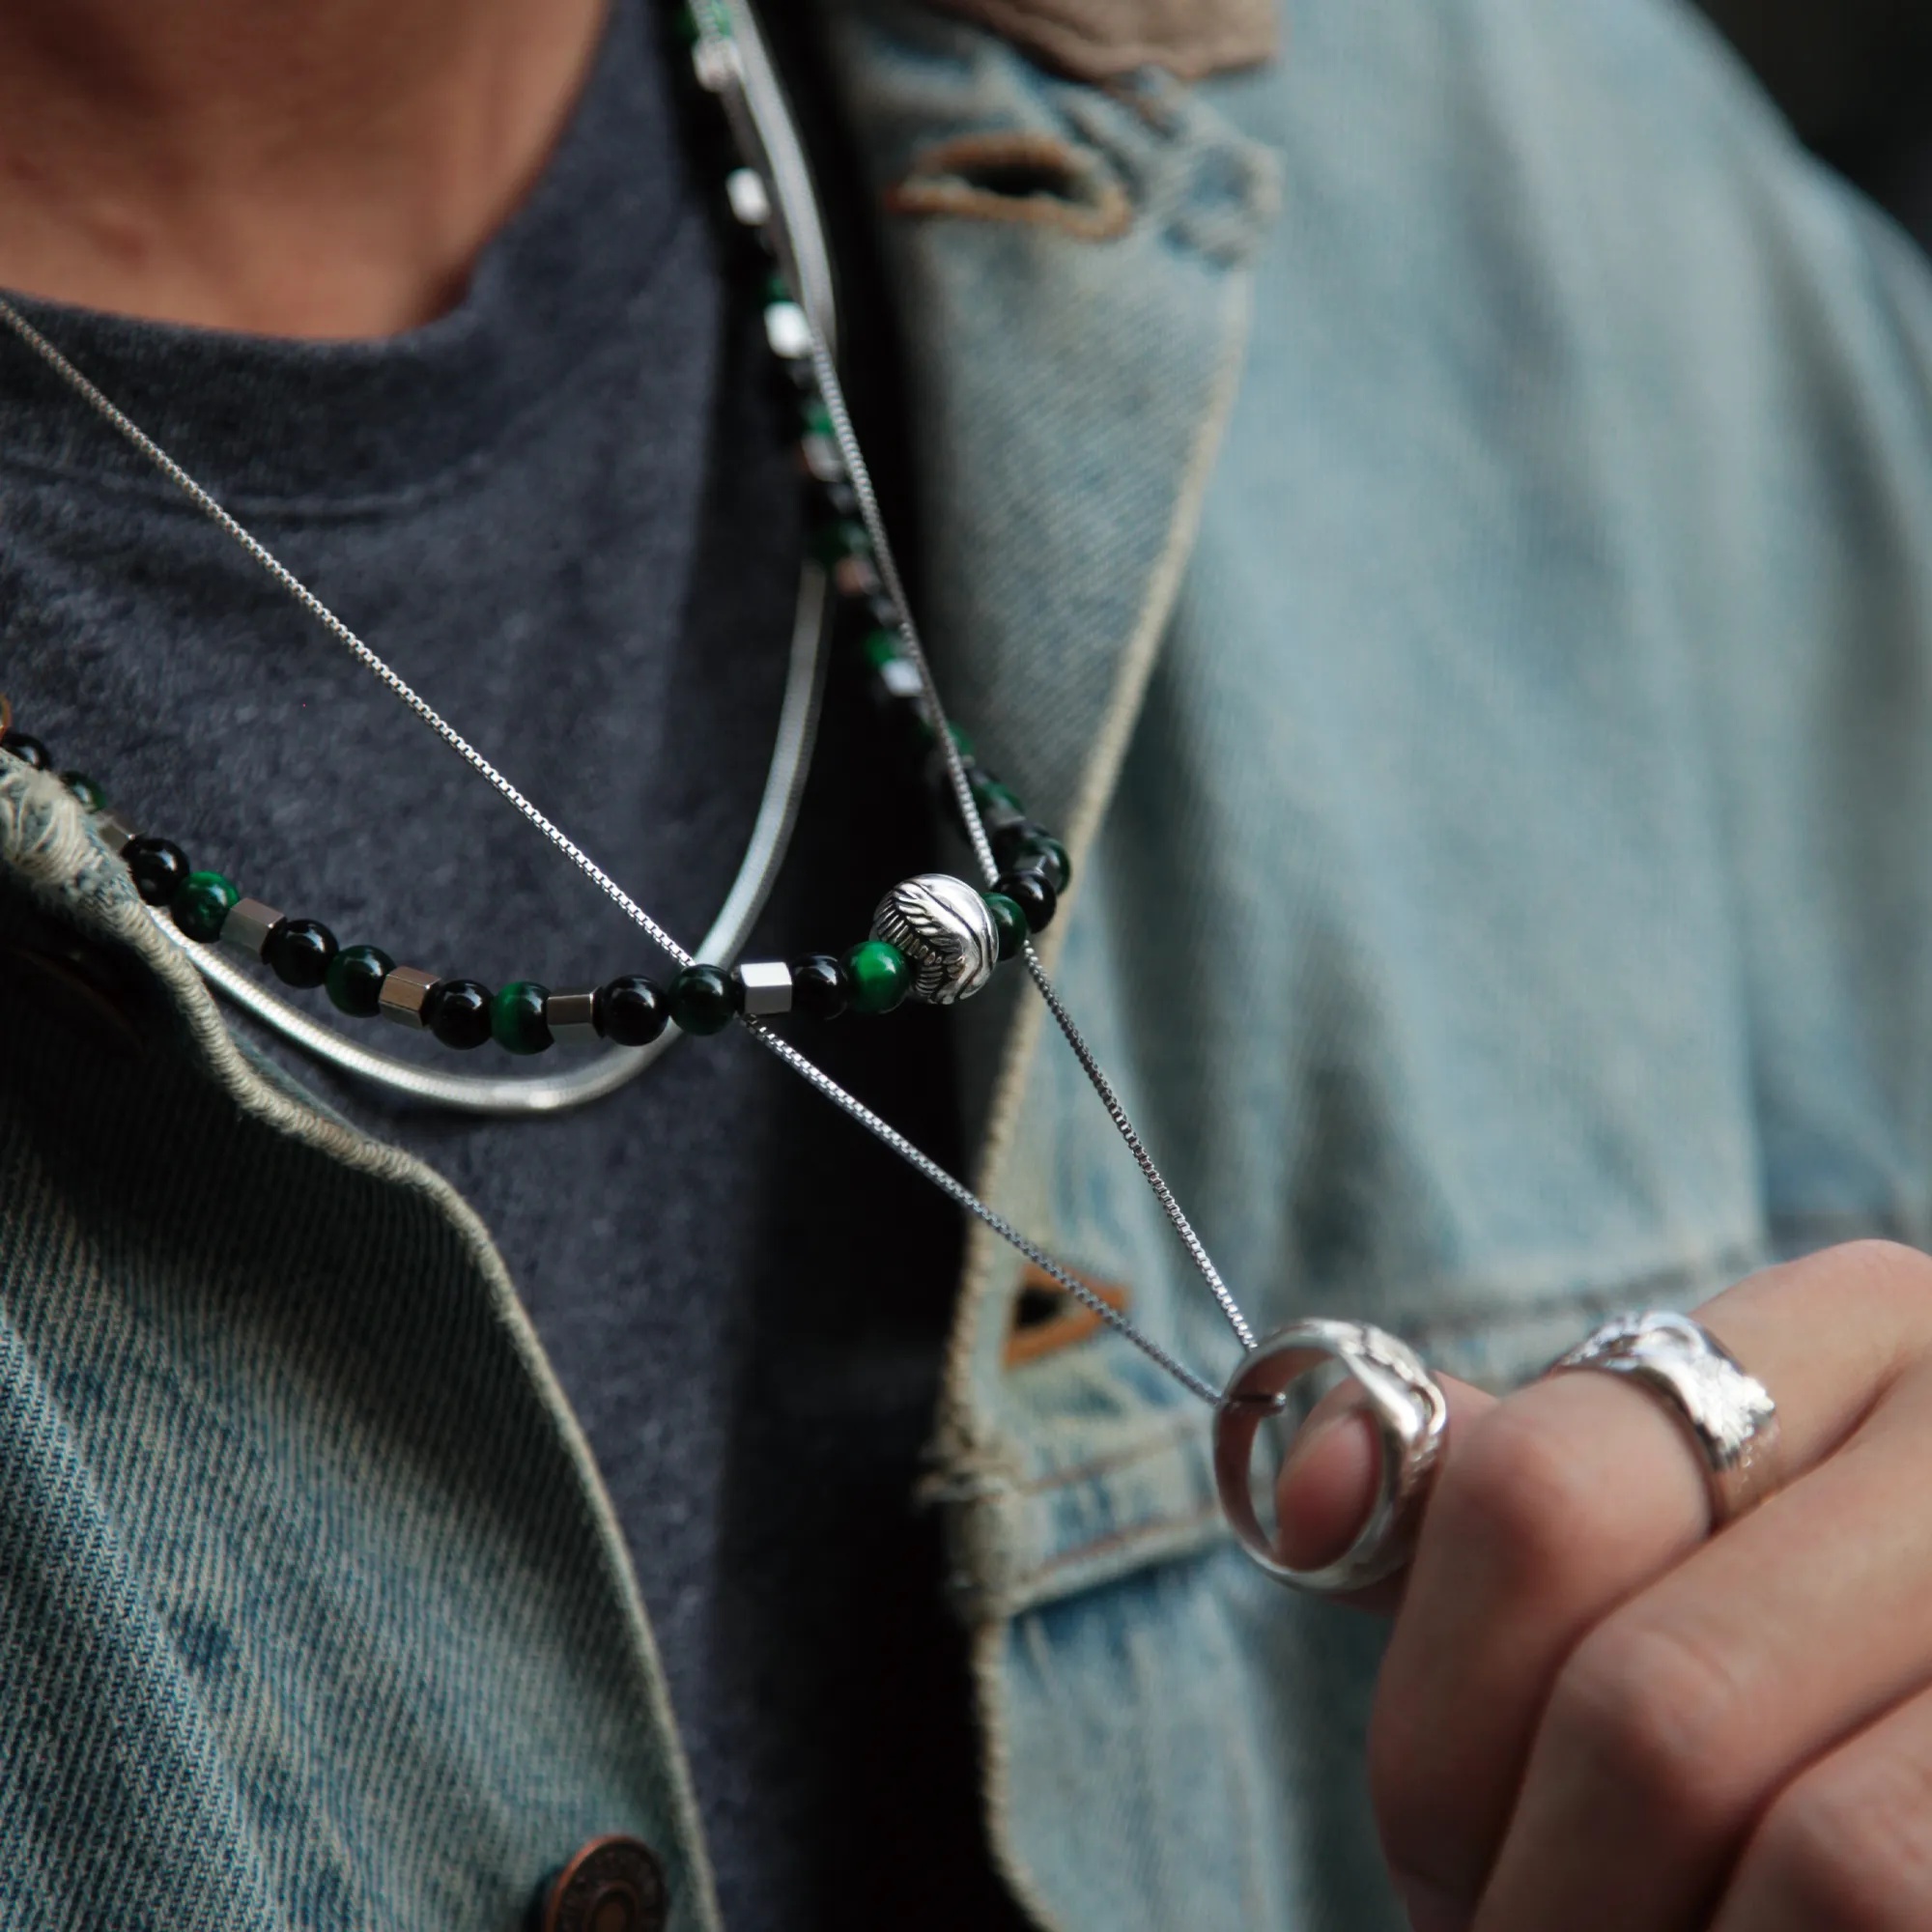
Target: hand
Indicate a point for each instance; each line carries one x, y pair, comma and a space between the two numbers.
1597, 1717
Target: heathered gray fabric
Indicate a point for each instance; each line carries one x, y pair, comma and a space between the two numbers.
568, 513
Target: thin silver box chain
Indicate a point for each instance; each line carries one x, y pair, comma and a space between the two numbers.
735, 64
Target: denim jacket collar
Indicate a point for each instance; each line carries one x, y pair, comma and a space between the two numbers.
1099, 40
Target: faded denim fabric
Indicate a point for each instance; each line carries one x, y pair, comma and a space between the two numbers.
1487, 698
312, 1610
1513, 898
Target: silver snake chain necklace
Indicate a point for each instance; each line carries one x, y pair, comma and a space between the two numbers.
734, 65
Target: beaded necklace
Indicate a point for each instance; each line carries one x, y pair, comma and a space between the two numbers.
933, 938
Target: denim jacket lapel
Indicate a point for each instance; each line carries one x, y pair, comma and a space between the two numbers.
438, 1448
1071, 271
1069, 266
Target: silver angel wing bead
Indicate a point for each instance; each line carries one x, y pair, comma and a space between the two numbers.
946, 932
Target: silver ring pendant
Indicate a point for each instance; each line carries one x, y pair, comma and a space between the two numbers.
554, 1093
1411, 1419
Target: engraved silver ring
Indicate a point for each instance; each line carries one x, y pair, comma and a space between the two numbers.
1410, 1416
1727, 1414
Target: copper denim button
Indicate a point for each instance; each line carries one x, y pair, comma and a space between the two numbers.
613, 1884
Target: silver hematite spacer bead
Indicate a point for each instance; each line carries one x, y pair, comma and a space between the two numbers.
246, 929
947, 933
405, 996
767, 986
750, 202
113, 830
572, 1018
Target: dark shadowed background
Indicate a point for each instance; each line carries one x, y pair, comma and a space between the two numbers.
1856, 78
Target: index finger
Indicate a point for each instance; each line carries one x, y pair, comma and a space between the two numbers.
1568, 1497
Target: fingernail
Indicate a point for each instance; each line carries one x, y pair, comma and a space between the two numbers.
1430, 1911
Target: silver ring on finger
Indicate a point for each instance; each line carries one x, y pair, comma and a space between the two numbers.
1727, 1414
1410, 1416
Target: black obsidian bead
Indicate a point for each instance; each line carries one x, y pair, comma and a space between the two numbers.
631, 1010
819, 988
299, 952
1006, 842
91, 797
459, 1013
703, 998
29, 750
1018, 845
354, 981
158, 866
1032, 893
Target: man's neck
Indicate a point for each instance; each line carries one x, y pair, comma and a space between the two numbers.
326, 169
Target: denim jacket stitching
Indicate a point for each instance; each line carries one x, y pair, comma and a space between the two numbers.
48, 847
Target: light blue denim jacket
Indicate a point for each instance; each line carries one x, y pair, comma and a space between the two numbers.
1441, 522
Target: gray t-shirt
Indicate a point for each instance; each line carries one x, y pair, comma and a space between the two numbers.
569, 513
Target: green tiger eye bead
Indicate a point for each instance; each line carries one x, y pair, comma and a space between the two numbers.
355, 982
517, 1020
201, 902
1011, 921
1045, 854
842, 538
703, 998
90, 795
991, 796
879, 976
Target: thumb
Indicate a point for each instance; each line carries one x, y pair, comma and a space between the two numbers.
1328, 1479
